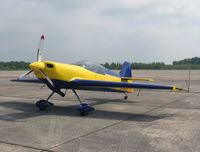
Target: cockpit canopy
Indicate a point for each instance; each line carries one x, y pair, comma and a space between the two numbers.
92, 66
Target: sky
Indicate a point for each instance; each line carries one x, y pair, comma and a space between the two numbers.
102, 31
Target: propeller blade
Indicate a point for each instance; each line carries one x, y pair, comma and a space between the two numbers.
49, 80
25, 74
40, 49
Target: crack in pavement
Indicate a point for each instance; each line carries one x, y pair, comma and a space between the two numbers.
24, 146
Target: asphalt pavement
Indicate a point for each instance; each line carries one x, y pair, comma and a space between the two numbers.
151, 121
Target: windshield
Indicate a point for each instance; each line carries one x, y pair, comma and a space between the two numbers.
92, 66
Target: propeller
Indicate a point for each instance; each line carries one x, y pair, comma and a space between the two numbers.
39, 56
40, 49
25, 74
39, 66
39, 59
52, 84
48, 79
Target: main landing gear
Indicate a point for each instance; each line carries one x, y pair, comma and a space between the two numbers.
43, 104
83, 108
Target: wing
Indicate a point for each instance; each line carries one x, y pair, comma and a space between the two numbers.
110, 84
33, 80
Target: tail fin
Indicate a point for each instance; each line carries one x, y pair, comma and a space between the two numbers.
126, 70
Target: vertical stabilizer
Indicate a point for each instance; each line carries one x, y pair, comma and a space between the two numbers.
126, 70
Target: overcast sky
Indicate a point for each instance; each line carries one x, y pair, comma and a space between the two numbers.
104, 30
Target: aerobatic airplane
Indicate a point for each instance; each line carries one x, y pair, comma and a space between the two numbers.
83, 75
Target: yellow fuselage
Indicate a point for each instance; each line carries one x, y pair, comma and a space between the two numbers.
68, 72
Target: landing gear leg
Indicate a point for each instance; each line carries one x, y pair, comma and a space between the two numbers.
43, 104
125, 96
83, 108
79, 99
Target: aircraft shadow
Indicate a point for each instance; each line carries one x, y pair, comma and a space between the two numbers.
28, 110
103, 101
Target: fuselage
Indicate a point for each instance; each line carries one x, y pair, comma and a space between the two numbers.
62, 75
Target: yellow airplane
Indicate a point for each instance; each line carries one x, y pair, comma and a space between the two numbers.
83, 75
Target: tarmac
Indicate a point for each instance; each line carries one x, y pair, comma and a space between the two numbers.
148, 121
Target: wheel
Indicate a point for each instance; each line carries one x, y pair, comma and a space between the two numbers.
43, 104
84, 109
125, 97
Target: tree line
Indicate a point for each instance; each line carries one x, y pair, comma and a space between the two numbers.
14, 65
152, 66
191, 63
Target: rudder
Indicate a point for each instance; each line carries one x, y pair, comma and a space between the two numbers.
126, 70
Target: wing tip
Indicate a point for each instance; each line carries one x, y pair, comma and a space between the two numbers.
178, 89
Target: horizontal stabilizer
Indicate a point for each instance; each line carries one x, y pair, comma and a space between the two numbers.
137, 79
